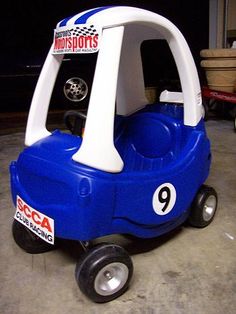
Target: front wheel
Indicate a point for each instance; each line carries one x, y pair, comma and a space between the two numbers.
104, 272
203, 208
28, 241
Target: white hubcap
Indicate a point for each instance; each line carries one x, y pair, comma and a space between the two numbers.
209, 208
111, 278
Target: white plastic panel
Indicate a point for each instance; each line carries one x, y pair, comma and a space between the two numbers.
167, 96
97, 149
36, 125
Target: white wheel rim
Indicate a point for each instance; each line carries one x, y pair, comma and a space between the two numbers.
209, 208
111, 278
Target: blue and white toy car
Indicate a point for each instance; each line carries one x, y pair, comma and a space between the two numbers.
138, 169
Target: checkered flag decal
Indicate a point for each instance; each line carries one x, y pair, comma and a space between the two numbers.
84, 31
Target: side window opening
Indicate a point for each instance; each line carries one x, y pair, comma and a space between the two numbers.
159, 69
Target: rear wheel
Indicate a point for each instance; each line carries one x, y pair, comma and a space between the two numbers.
203, 208
28, 241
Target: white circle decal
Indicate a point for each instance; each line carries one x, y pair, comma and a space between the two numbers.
164, 199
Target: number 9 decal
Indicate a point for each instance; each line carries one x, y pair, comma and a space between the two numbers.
164, 199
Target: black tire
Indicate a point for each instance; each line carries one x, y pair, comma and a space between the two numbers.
203, 207
102, 266
235, 123
28, 241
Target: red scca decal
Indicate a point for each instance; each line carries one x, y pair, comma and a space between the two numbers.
40, 224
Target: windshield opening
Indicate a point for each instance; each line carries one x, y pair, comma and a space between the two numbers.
71, 93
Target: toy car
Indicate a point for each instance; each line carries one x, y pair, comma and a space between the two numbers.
138, 169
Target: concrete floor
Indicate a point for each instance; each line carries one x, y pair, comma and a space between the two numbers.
188, 271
